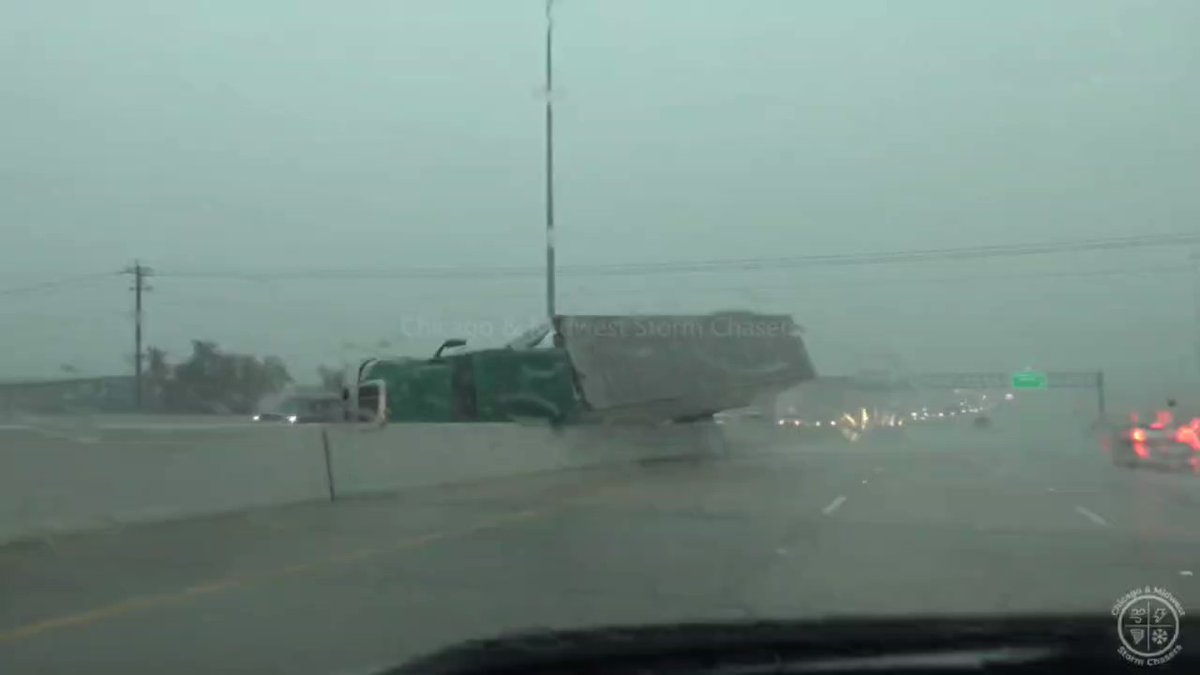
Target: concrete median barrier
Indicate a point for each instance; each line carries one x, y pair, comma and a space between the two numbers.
65, 478
76, 476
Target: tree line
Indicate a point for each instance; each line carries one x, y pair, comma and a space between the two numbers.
211, 380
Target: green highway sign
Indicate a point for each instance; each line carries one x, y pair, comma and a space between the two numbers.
1030, 379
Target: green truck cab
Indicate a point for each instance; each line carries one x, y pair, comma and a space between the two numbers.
488, 385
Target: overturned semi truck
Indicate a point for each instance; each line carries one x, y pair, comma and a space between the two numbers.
589, 369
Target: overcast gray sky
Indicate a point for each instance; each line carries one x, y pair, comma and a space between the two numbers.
220, 138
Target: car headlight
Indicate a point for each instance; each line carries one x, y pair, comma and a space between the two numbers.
292, 419
256, 418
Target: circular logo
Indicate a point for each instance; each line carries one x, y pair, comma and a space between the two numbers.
1148, 625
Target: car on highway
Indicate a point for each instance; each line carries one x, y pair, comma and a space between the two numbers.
303, 410
1166, 441
271, 416
816, 422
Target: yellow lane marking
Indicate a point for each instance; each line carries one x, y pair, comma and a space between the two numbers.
147, 602
83, 618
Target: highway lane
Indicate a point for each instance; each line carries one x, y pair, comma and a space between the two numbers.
943, 520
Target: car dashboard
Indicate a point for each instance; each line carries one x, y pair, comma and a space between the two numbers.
1041, 644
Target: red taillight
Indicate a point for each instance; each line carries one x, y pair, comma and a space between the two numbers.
1141, 451
1162, 420
1138, 435
1188, 436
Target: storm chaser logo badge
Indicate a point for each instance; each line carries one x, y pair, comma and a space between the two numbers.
1148, 625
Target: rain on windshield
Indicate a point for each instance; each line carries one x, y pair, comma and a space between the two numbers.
339, 334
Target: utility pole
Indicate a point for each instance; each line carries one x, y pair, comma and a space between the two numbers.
139, 272
1194, 264
550, 308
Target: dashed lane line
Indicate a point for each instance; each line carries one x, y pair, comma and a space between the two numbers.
834, 505
1091, 515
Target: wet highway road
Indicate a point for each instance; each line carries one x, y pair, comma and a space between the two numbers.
944, 520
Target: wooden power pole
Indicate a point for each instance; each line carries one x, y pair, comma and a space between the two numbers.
139, 272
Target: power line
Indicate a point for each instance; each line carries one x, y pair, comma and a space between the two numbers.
57, 283
256, 303
921, 255
743, 264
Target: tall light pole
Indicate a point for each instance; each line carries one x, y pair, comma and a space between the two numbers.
1194, 270
550, 308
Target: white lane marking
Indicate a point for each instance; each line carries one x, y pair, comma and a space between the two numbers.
834, 505
1051, 489
1185, 573
864, 481
1090, 515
